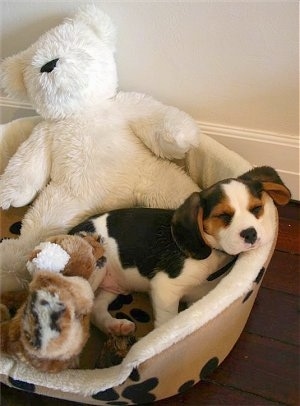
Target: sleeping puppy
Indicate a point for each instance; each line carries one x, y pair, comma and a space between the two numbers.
168, 253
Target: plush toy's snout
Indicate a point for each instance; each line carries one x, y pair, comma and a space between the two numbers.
42, 318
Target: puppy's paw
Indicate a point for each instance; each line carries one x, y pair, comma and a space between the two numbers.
120, 327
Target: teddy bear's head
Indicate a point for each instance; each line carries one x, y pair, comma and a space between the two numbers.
68, 69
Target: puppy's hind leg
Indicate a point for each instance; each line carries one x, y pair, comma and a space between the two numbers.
102, 319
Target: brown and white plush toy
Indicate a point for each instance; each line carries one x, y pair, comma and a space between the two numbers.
72, 255
51, 327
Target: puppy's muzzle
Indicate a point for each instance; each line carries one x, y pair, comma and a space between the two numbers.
249, 235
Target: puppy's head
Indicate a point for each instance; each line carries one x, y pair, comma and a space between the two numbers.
234, 215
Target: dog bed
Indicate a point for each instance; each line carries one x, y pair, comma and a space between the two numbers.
172, 358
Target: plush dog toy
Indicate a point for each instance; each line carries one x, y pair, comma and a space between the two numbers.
170, 253
51, 326
94, 148
78, 255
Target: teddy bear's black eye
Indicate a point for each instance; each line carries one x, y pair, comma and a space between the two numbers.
49, 66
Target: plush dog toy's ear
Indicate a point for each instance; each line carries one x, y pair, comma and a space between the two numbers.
95, 242
271, 183
186, 230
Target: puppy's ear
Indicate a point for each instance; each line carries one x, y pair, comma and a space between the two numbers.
279, 193
271, 183
185, 229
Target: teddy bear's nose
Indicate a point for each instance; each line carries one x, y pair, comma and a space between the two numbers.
49, 66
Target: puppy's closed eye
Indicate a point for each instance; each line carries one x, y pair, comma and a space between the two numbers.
257, 211
225, 217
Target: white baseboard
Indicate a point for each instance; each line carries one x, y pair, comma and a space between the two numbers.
280, 151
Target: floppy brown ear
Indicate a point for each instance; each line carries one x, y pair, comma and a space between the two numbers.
186, 231
82, 294
279, 193
271, 183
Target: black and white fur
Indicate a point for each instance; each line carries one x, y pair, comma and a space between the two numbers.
168, 253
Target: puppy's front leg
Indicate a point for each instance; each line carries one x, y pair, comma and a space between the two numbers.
102, 319
165, 298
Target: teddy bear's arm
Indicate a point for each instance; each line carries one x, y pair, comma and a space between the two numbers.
167, 131
27, 171
12, 135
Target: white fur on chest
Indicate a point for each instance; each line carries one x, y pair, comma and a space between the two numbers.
102, 146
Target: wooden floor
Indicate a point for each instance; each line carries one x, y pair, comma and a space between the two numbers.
263, 367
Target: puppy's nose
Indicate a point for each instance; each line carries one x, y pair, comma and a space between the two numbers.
249, 235
49, 66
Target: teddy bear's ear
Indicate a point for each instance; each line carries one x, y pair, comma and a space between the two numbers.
99, 22
11, 76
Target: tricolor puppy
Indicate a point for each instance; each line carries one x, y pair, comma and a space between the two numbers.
168, 253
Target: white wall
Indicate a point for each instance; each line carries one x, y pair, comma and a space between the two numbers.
233, 64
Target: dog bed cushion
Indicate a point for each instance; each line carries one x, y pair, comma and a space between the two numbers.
170, 359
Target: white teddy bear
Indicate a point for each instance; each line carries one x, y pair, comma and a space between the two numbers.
93, 148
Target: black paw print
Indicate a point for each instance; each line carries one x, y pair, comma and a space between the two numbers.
256, 280
136, 393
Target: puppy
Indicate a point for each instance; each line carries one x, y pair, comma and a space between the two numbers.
168, 253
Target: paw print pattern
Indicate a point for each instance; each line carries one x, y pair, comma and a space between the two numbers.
135, 308
107, 395
257, 281
209, 368
205, 372
260, 275
186, 386
28, 387
121, 300
222, 271
138, 393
